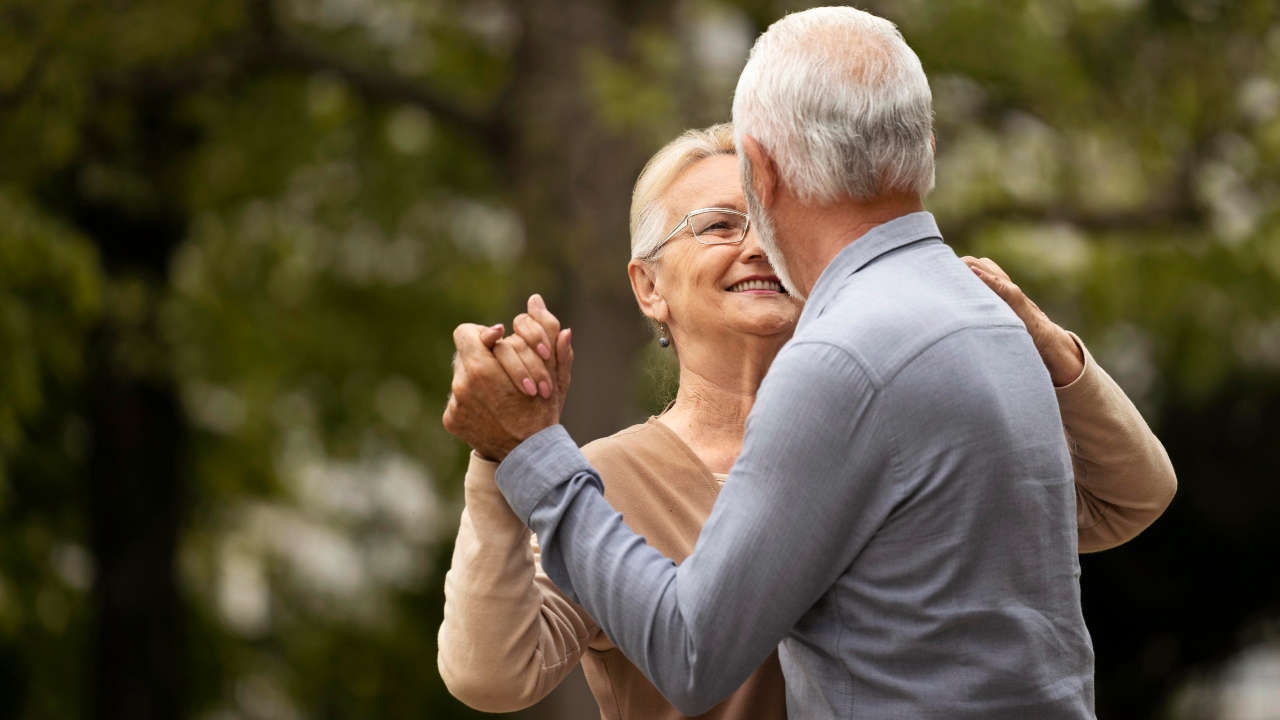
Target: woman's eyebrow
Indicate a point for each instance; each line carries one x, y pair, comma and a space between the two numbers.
735, 204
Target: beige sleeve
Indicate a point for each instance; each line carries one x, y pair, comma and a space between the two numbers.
1124, 479
509, 636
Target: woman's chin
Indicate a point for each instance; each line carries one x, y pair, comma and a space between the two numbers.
765, 326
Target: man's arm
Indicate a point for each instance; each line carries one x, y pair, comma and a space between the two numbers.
810, 488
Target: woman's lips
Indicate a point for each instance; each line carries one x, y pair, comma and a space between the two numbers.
757, 286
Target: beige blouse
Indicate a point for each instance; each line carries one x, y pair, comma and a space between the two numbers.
509, 636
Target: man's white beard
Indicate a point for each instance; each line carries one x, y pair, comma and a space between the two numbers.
765, 234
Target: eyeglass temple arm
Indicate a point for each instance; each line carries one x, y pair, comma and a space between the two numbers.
676, 229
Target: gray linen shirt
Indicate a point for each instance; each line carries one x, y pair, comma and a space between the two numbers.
901, 519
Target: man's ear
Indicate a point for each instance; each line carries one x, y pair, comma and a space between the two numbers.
764, 174
644, 283
933, 143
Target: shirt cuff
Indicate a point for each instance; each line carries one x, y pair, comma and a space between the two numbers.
547, 459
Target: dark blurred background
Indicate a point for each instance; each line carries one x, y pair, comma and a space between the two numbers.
235, 236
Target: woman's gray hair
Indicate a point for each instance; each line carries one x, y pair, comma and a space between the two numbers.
842, 104
650, 214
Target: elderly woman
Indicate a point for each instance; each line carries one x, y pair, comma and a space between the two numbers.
509, 636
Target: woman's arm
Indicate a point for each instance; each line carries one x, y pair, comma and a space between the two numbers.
509, 636
1124, 479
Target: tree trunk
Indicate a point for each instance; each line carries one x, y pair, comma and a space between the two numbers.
134, 511
135, 473
572, 178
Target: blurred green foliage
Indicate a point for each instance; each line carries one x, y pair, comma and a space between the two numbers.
50, 285
277, 212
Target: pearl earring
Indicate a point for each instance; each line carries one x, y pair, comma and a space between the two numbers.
664, 341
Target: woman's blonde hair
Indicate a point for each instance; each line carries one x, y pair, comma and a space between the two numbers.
649, 214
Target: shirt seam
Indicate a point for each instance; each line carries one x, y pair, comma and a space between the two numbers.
1073, 447
850, 353
613, 687
542, 657
899, 493
894, 462
882, 383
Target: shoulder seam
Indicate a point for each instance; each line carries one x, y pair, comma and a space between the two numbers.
852, 354
883, 382
618, 436
965, 328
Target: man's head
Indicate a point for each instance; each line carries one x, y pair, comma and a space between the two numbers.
839, 105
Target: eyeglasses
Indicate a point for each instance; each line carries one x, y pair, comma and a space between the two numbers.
714, 226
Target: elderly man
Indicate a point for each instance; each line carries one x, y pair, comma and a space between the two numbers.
901, 518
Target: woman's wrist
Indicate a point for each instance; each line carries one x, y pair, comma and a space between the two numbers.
1062, 356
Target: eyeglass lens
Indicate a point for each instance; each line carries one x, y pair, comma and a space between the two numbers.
715, 228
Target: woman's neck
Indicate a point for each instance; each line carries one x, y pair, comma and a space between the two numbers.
718, 385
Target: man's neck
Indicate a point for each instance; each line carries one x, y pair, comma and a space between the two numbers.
817, 233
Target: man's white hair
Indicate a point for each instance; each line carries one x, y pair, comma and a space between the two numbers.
841, 103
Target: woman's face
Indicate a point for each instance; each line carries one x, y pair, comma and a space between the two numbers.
705, 292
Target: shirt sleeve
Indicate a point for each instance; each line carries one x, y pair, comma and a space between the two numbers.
1124, 479
812, 482
509, 637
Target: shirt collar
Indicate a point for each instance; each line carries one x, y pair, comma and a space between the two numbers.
881, 239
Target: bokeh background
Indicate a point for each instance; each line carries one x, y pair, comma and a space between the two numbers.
235, 236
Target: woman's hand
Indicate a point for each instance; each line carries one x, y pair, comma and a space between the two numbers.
1058, 350
533, 353
484, 409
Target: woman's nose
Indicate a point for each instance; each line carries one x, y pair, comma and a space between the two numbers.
751, 248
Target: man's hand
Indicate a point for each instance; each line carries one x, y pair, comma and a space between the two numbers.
491, 407
1061, 354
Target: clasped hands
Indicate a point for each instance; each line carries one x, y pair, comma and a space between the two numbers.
506, 389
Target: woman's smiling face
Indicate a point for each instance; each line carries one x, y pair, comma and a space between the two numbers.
707, 291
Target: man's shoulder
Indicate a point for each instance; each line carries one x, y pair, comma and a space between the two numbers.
890, 312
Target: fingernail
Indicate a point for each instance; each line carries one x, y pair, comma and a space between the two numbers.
568, 335
543, 352
529, 387
544, 388
976, 271
497, 327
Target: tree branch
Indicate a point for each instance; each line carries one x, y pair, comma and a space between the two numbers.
1157, 217
1175, 208
277, 47
30, 79
268, 45
379, 86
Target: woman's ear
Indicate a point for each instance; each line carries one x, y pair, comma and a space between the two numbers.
644, 283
